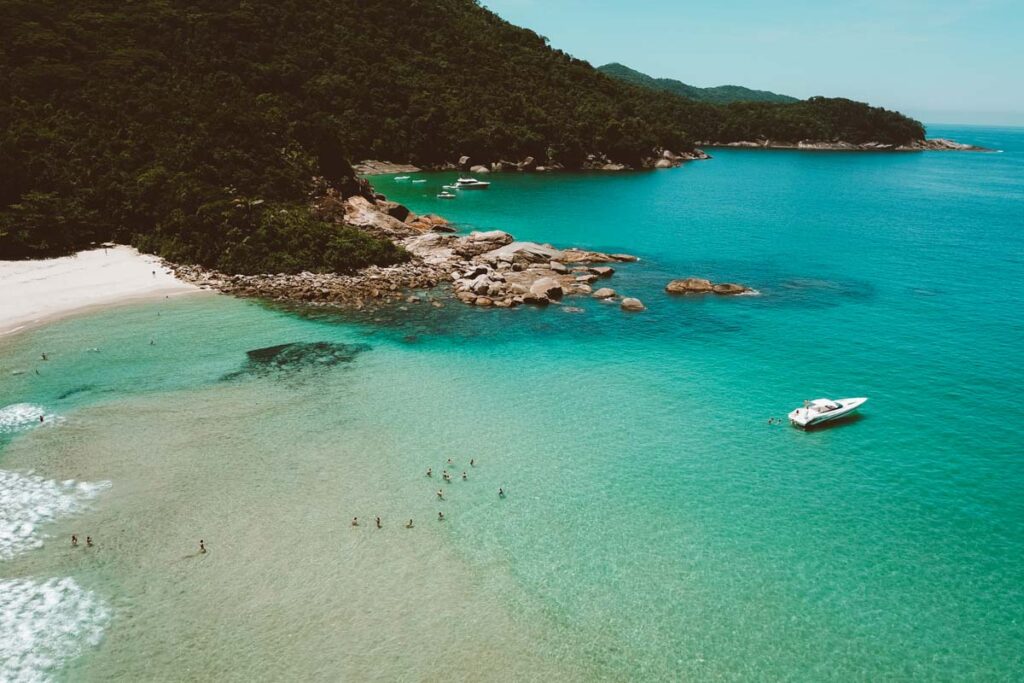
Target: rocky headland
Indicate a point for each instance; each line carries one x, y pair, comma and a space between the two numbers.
933, 144
480, 269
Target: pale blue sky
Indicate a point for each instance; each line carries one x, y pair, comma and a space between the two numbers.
938, 60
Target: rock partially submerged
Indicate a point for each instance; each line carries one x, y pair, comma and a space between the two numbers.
697, 285
631, 304
294, 357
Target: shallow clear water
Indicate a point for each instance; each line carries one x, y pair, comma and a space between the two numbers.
655, 527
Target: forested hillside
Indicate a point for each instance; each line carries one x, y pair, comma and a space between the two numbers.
195, 130
721, 94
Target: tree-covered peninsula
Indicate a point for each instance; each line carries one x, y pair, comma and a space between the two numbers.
202, 131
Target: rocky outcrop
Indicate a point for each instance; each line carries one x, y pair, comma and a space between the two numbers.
631, 304
486, 269
604, 293
374, 167
363, 214
689, 285
697, 285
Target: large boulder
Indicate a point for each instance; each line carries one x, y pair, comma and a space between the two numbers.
479, 168
476, 243
602, 271
729, 288
604, 293
664, 163
558, 267
363, 214
547, 287
528, 252
631, 304
689, 285
394, 209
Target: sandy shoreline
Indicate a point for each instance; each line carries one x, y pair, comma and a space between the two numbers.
34, 292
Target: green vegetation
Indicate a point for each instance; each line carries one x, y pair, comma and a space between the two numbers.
722, 94
186, 128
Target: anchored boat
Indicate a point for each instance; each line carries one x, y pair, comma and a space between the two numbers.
822, 410
471, 184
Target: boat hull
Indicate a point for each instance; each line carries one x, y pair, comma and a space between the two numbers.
804, 419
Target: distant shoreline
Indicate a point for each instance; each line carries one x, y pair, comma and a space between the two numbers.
928, 145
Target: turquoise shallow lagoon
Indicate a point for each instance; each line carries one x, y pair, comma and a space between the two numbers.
655, 527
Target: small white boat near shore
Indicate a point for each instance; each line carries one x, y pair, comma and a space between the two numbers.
401, 177
445, 195
821, 410
471, 184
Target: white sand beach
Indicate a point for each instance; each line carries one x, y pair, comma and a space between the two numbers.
32, 292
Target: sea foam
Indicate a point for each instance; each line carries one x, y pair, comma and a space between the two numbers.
28, 500
18, 417
44, 623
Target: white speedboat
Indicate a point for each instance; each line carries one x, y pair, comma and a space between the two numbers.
421, 180
821, 410
401, 177
446, 195
471, 184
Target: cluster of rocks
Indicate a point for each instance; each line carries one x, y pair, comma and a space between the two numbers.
482, 268
368, 288
697, 285
493, 269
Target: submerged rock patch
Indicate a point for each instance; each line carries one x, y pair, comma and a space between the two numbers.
295, 357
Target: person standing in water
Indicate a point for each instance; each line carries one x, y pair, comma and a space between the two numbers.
74, 541
464, 476
430, 472
40, 418
202, 546
378, 522
88, 541
409, 525
440, 516
501, 493
472, 462
355, 521
440, 494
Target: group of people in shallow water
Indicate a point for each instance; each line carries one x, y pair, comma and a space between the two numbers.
440, 494
202, 544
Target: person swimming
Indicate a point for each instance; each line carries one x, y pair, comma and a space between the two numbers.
501, 493
202, 546
88, 541
44, 356
440, 494
409, 525
440, 516
447, 477
449, 461
430, 472
40, 418
464, 476
472, 462
378, 522
74, 540
355, 521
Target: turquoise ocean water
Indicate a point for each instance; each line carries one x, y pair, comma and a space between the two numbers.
656, 527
